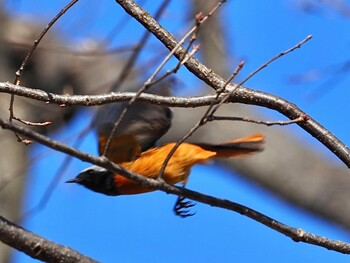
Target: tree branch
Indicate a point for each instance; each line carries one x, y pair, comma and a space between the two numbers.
169, 41
36, 246
294, 233
96, 100
241, 95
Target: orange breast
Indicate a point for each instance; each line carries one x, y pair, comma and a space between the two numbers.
129, 187
150, 163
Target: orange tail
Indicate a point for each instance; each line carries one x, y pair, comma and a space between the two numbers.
237, 147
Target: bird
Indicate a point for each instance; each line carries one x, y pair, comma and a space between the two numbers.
134, 147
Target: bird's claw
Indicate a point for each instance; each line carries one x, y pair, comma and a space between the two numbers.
181, 207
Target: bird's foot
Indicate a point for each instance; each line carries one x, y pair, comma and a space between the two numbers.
182, 207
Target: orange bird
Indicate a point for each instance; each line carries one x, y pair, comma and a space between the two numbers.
133, 147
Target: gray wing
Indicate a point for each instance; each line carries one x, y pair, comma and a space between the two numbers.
139, 130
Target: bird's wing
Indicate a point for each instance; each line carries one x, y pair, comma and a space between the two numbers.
139, 130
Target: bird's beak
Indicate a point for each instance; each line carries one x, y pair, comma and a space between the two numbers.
74, 180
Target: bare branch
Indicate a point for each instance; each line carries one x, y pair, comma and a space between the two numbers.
251, 97
233, 94
26, 59
40, 37
142, 16
137, 50
267, 123
295, 233
241, 95
29, 123
298, 45
36, 246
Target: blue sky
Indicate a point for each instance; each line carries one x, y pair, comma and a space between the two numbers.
142, 228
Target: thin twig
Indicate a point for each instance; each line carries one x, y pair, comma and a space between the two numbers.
201, 122
123, 76
52, 48
229, 94
29, 123
137, 51
233, 75
118, 28
39, 38
298, 45
182, 41
267, 123
240, 95
200, 18
296, 234
146, 85
29, 54
213, 108
177, 67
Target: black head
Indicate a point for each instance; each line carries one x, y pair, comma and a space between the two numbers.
97, 179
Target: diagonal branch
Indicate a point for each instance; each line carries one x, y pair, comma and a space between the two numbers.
169, 41
36, 246
242, 95
296, 234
